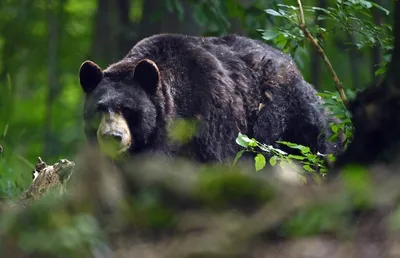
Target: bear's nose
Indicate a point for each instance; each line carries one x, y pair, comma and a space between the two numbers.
116, 136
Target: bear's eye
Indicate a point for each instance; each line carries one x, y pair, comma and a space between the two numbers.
101, 107
131, 115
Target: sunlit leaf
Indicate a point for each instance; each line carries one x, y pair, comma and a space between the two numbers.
238, 156
308, 168
269, 34
273, 12
272, 160
259, 162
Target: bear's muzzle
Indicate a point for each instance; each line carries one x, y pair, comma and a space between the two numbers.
113, 134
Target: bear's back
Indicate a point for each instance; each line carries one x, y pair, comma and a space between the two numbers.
196, 69
231, 55
175, 48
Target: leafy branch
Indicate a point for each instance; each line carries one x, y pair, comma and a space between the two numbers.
352, 17
309, 162
321, 52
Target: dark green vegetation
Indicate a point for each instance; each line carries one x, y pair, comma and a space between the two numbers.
186, 210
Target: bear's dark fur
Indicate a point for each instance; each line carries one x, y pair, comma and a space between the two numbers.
228, 84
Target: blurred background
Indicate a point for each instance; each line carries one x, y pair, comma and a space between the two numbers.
44, 42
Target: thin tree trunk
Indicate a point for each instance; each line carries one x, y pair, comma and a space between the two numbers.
168, 23
394, 75
102, 46
53, 13
354, 59
111, 31
126, 31
376, 51
7, 92
114, 33
315, 57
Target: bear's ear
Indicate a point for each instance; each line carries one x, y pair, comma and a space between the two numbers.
90, 75
148, 75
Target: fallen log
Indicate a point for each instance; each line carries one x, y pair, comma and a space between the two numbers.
45, 178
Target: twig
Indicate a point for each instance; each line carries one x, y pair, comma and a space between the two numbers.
321, 52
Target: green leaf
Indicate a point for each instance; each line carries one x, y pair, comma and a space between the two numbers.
179, 8
322, 17
320, 9
273, 12
331, 157
259, 162
308, 168
387, 57
380, 71
253, 143
297, 157
269, 34
168, 4
302, 148
366, 4
272, 160
238, 156
240, 140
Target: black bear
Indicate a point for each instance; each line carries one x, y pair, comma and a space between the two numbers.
228, 84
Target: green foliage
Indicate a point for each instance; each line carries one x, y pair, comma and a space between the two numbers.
319, 218
289, 36
50, 230
335, 216
306, 161
32, 121
210, 14
147, 210
175, 5
218, 189
344, 128
357, 182
310, 162
218, 17
353, 17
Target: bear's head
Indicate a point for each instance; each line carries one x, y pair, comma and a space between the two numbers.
119, 112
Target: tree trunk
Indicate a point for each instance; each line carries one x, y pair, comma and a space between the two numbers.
114, 33
354, 59
168, 23
54, 13
315, 57
109, 33
376, 51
